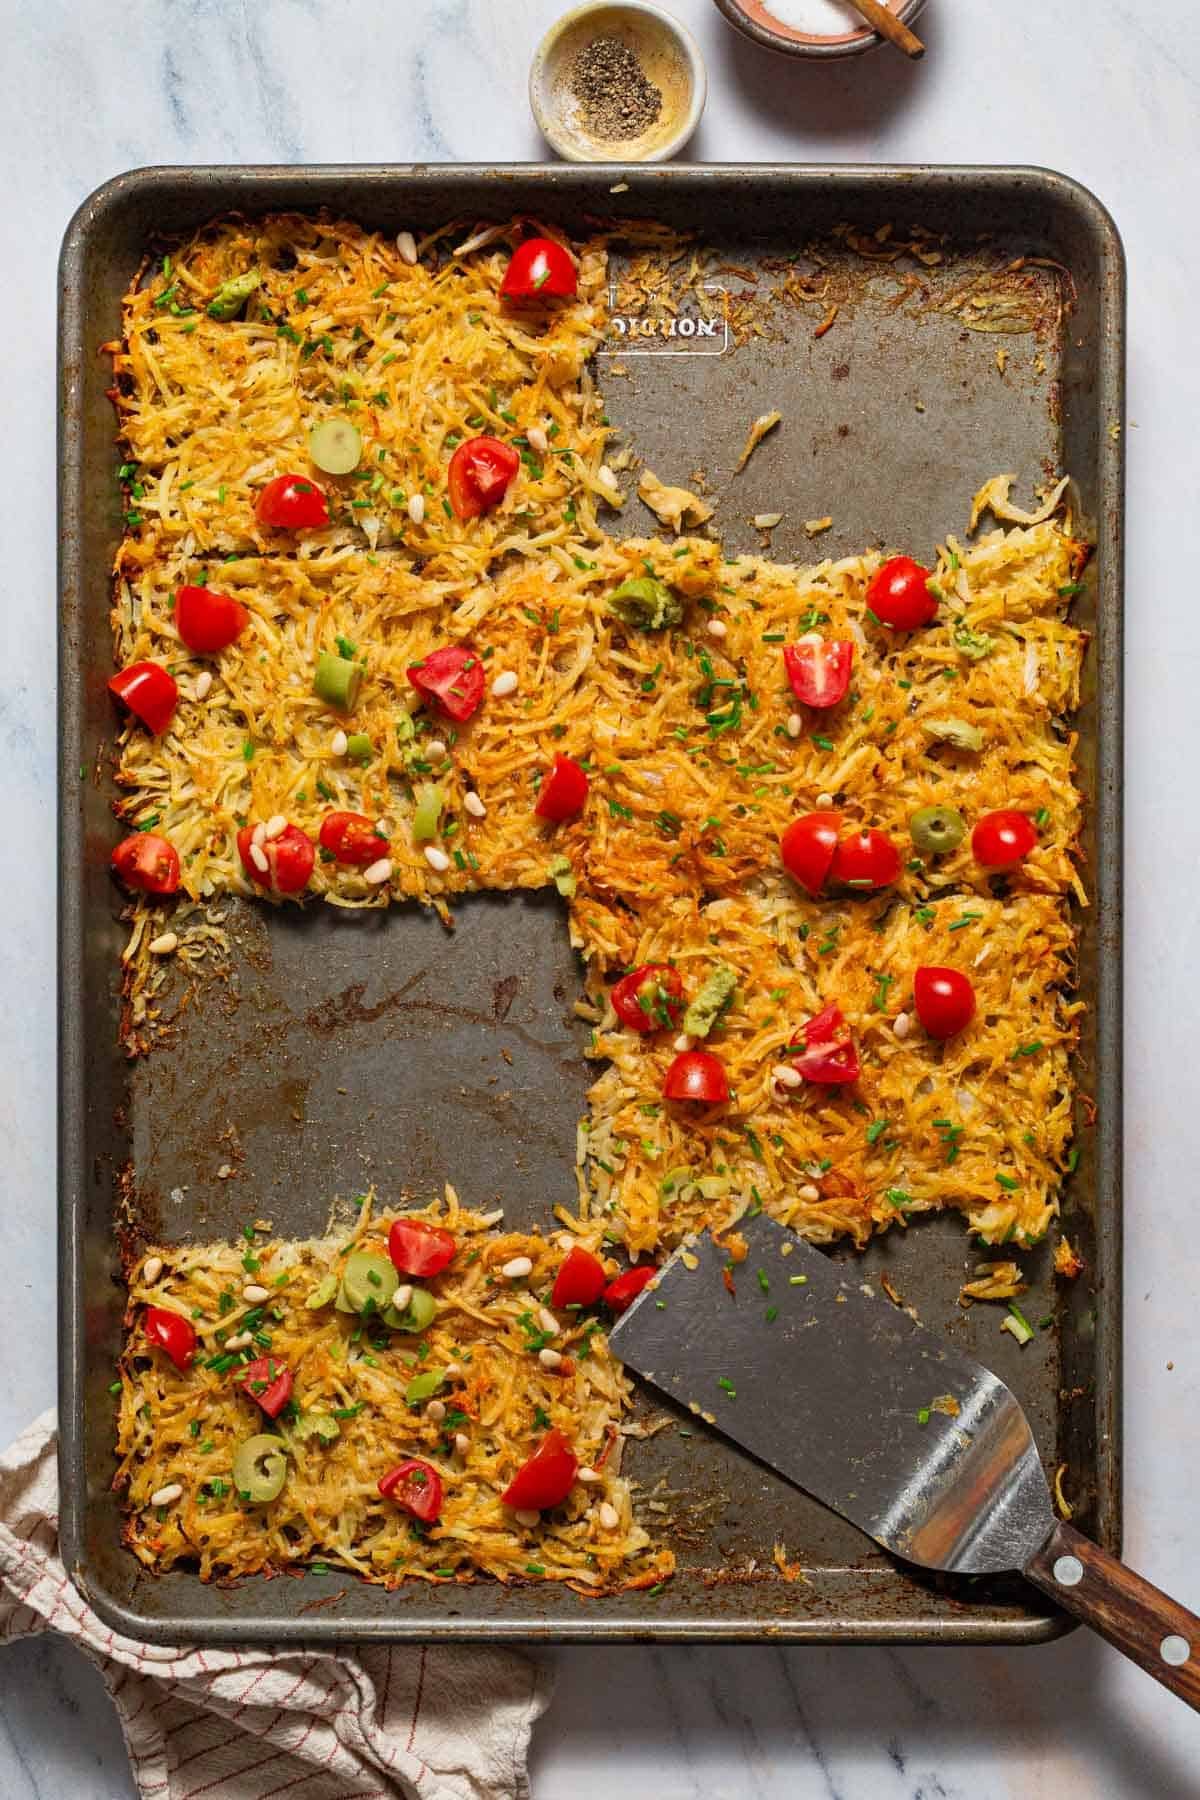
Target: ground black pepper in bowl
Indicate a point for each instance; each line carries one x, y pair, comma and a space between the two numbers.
615, 97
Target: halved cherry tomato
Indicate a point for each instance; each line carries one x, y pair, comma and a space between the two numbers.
898, 594
648, 999
415, 1486
580, 1280
352, 838
452, 678
267, 1381
292, 503
208, 622
479, 475
829, 1057
1002, 839
945, 1000
147, 862
417, 1248
622, 1292
289, 858
819, 669
807, 848
563, 792
546, 1479
171, 1332
149, 691
697, 1075
865, 861
540, 270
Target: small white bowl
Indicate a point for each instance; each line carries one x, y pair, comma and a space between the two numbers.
667, 52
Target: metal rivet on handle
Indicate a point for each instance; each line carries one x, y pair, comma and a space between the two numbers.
1175, 1650
1068, 1571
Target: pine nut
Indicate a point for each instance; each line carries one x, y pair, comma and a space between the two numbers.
276, 825
378, 872
810, 637
795, 725
717, 628
406, 244
437, 859
606, 478
504, 684
525, 1516
401, 1298
518, 1268
550, 1359
203, 683
547, 1320
436, 1411
462, 1443
824, 799
786, 1076
164, 943
902, 1025
165, 1495
259, 834
474, 805
588, 1475
682, 1043
452, 1371
339, 743
537, 439
608, 1517
416, 508
255, 1292
810, 1193
152, 1269
258, 857
241, 1340
435, 749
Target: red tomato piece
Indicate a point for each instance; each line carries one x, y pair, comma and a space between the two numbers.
149, 691
819, 669
480, 473
292, 503
580, 1280
898, 594
289, 858
540, 270
171, 1332
416, 1487
147, 862
546, 1479
1003, 839
563, 792
865, 861
351, 838
208, 622
267, 1381
417, 1248
622, 1292
829, 1057
697, 1075
649, 998
945, 1000
807, 848
452, 678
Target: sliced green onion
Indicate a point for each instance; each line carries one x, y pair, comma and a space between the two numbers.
336, 680
335, 445
427, 815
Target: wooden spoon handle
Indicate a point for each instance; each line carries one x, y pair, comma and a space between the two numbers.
1136, 1617
889, 26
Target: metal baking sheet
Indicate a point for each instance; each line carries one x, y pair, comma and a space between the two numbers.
357, 1048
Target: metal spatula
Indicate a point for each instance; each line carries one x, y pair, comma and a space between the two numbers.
917, 1445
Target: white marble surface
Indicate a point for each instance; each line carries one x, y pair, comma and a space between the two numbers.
1109, 92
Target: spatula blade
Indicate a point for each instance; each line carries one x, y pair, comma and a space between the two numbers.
919, 1446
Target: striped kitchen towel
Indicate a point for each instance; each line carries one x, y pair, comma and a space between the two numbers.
360, 1723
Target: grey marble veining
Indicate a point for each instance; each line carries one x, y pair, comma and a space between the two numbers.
1108, 92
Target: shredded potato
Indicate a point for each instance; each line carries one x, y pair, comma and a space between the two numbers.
183, 1427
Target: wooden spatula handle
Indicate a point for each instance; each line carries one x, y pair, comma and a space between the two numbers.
889, 26
1135, 1616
